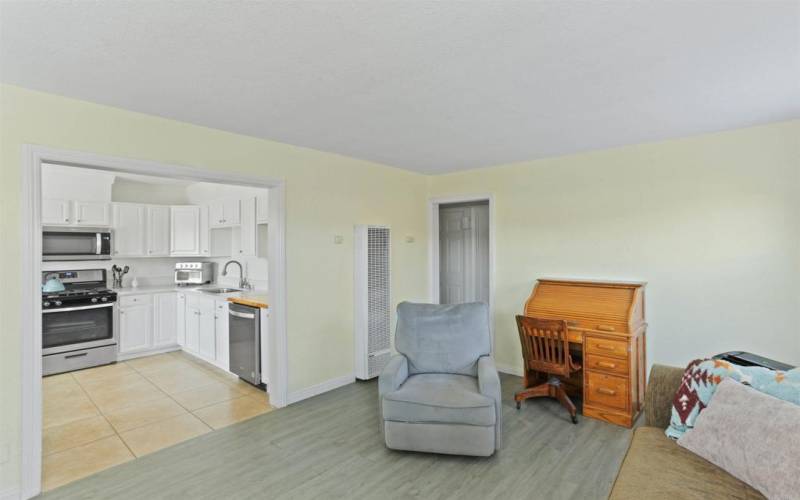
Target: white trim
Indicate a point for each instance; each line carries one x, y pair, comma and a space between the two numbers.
433, 248
31, 235
511, 370
152, 352
316, 390
10, 494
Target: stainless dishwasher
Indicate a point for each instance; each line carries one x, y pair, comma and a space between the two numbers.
244, 330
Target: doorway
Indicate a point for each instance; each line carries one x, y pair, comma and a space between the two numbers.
32, 216
462, 251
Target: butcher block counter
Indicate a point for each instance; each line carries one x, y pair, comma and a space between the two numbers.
251, 299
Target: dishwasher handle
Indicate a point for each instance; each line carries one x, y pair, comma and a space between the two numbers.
241, 315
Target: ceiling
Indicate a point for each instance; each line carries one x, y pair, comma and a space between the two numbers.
430, 86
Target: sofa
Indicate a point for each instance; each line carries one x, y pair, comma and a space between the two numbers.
655, 467
441, 393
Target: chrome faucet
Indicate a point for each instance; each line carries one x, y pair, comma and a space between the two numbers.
243, 283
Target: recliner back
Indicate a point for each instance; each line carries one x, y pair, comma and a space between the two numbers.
443, 338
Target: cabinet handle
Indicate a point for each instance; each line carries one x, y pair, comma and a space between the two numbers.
606, 328
608, 392
122, 312
606, 364
605, 347
66, 220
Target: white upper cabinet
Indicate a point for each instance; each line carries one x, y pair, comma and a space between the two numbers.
205, 236
185, 230
129, 233
247, 242
224, 213
75, 213
158, 233
91, 213
56, 212
262, 204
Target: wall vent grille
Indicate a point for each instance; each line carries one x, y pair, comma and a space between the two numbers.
372, 300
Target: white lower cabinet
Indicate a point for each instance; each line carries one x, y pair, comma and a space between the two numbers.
200, 327
180, 325
165, 317
221, 330
135, 324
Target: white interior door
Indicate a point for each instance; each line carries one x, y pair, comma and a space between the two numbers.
464, 253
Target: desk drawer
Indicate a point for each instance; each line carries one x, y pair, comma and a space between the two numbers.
606, 347
607, 391
604, 364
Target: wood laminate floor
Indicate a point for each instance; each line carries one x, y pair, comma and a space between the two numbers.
330, 446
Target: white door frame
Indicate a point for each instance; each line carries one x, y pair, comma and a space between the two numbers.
31, 314
433, 247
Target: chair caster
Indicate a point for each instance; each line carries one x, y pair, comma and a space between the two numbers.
519, 403
574, 419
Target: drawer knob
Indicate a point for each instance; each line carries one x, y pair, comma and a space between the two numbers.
606, 364
604, 390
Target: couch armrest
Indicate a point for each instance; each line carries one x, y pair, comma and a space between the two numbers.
662, 385
393, 375
489, 385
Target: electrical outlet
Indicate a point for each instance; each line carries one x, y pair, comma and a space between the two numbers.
338, 239
409, 239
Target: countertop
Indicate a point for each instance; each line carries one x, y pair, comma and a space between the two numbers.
252, 298
259, 296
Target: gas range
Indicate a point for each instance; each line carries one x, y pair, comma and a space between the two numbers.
79, 323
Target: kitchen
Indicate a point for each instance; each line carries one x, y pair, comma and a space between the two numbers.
154, 314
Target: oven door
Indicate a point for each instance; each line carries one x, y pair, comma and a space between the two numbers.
80, 327
76, 245
188, 277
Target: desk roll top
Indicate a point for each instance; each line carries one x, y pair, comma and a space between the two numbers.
607, 319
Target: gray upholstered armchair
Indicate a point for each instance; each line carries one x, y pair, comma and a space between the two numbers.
441, 394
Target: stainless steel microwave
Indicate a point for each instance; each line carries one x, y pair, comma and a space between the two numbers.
75, 244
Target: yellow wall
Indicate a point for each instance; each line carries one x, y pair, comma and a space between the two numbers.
326, 195
711, 222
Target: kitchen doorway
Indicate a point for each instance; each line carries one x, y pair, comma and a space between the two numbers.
34, 157
461, 251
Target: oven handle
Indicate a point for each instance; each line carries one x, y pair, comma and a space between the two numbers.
99, 244
81, 308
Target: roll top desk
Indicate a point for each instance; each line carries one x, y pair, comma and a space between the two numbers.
606, 321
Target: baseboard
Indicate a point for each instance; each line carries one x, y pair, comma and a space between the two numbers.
134, 355
318, 389
10, 494
511, 370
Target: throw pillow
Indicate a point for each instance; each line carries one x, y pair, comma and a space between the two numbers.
700, 381
752, 436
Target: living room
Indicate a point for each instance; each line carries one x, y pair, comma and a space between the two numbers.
650, 146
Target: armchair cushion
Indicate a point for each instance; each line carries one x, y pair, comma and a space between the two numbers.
393, 375
440, 398
443, 338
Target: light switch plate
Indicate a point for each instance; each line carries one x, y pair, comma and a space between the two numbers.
338, 239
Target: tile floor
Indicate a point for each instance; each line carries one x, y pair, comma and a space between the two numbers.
100, 417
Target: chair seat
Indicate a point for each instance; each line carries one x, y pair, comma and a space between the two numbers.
439, 398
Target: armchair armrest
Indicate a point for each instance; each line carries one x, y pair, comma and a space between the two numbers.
489, 385
393, 375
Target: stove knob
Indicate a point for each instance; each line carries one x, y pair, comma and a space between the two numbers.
104, 299
46, 304
58, 302
94, 300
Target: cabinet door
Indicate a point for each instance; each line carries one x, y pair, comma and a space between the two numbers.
166, 316
158, 234
207, 347
91, 213
205, 236
129, 223
185, 230
180, 319
231, 210
56, 212
216, 213
221, 329
192, 328
135, 329
247, 243
262, 204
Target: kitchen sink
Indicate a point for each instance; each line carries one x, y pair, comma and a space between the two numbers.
219, 290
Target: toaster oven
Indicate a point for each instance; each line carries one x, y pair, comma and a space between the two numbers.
194, 273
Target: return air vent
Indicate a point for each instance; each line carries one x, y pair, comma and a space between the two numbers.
372, 300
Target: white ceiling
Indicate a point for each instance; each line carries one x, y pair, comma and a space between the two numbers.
428, 86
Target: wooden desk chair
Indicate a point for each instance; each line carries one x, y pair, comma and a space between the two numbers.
545, 349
